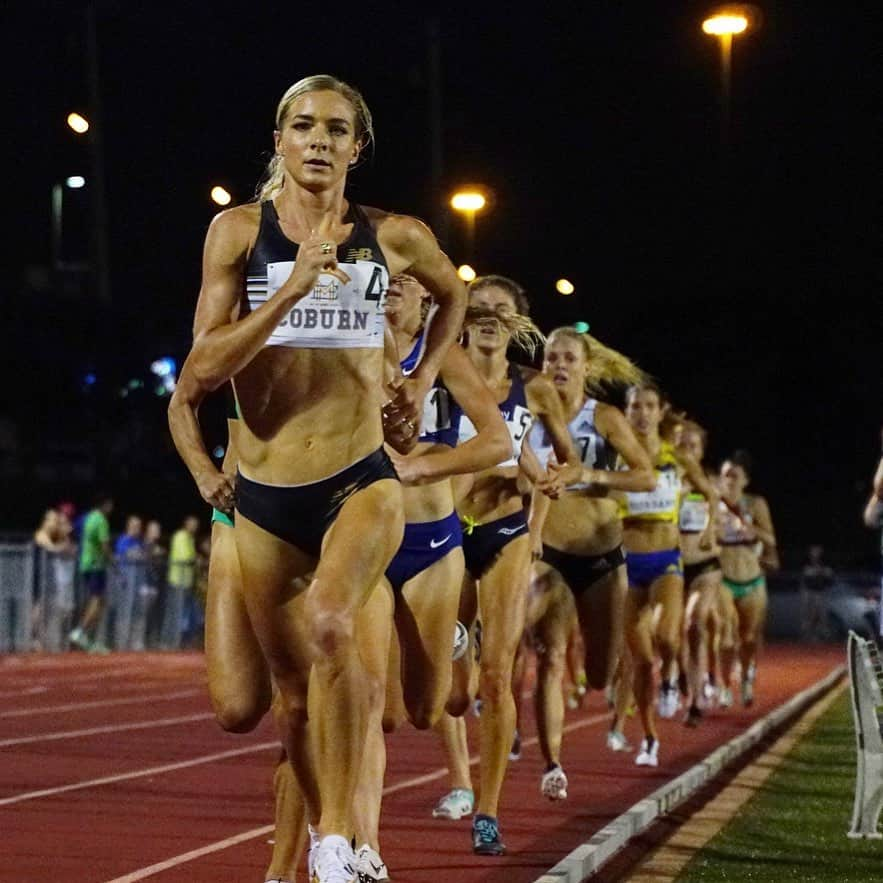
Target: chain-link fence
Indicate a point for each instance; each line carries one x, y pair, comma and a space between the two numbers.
42, 597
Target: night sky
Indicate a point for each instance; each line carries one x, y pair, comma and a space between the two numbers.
746, 281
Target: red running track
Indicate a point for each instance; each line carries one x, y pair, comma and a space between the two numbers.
111, 765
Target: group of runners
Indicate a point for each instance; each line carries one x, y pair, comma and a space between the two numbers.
403, 513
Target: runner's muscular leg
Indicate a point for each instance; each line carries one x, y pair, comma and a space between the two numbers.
601, 610
502, 596
238, 676
668, 592
426, 616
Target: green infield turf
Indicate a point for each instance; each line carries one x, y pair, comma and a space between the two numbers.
795, 827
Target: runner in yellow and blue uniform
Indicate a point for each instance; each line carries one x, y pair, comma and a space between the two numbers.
654, 568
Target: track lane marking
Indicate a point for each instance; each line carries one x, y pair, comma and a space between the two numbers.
236, 839
101, 703
138, 774
109, 728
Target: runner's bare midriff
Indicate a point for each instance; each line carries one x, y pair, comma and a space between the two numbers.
428, 502
582, 525
493, 495
307, 414
740, 563
650, 536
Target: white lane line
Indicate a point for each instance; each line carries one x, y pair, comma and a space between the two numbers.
101, 703
236, 839
111, 728
30, 691
173, 862
138, 774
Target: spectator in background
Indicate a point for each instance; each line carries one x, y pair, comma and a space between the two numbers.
873, 517
181, 579
154, 583
95, 553
130, 545
47, 541
816, 580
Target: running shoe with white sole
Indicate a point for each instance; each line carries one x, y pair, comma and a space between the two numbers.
747, 693
370, 866
455, 805
515, 750
486, 836
725, 697
334, 861
554, 783
668, 700
649, 753
617, 741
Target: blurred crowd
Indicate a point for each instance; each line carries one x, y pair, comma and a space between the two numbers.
94, 590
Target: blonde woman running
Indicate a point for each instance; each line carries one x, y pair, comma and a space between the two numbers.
291, 308
746, 534
496, 540
582, 559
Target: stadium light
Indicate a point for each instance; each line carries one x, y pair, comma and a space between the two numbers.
468, 202
564, 286
221, 196
78, 123
466, 273
581, 327
75, 182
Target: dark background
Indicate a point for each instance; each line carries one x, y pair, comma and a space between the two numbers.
747, 282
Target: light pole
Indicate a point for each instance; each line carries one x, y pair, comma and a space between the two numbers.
74, 182
726, 22
468, 202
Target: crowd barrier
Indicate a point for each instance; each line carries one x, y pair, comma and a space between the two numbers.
42, 596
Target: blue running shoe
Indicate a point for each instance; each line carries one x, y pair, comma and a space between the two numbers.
486, 836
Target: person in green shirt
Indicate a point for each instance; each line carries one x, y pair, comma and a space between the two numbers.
94, 559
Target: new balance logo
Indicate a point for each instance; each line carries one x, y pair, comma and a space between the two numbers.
435, 545
359, 254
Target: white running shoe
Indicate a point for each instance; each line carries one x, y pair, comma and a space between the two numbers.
554, 784
747, 693
370, 866
315, 840
668, 701
617, 741
649, 753
455, 805
334, 861
725, 697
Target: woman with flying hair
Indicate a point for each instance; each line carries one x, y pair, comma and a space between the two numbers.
654, 567
582, 557
292, 309
496, 539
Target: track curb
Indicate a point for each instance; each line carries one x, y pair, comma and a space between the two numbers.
589, 857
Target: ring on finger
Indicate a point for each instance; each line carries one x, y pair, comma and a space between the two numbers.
326, 247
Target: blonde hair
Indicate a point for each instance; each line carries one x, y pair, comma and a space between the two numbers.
519, 327
274, 175
606, 366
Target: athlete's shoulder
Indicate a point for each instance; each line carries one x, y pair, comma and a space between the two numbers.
236, 226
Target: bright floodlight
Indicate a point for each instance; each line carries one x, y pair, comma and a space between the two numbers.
78, 123
467, 201
723, 24
581, 327
564, 286
75, 182
466, 273
221, 196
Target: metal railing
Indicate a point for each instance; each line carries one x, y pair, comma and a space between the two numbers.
42, 596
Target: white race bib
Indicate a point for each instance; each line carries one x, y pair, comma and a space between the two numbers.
333, 315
